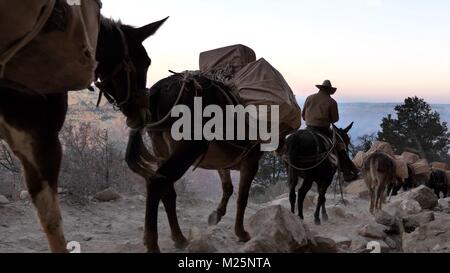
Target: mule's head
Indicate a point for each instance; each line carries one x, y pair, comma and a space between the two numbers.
123, 62
344, 137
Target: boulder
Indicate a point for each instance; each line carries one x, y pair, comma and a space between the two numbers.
358, 188
276, 230
324, 245
3, 200
433, 237
359, 244
373, 231
200, 243
414, 221
444, 205
107, 195
24, 195
403, 208
342, 241
392, 222
337, 211
423, 195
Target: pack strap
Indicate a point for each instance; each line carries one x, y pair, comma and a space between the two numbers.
6, 56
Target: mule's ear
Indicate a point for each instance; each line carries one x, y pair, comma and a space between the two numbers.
146, 31
346, 130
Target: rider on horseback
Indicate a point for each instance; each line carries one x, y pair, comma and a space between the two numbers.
320, 112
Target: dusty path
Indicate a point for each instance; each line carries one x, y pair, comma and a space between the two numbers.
117, 227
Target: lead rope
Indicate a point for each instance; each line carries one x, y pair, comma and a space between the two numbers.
6, 56
339, 179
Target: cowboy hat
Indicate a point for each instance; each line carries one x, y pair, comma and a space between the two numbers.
326, 85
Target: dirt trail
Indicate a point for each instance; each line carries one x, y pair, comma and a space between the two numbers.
117, 227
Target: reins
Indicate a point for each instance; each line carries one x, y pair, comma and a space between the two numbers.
130, 70
322, 160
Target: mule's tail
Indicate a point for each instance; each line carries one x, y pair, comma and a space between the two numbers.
138, 158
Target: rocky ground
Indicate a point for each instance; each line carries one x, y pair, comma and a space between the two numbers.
412, 222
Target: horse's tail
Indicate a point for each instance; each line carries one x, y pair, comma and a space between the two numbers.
138, 158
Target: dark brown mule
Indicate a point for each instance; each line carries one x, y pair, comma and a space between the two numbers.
308, 159
171, 159
30, 124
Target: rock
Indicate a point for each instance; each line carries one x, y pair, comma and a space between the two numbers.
3, 200
141, 198
373, 231
337, 211
444, 205
342, 241
276, 230
24, 195
107, 195
284, 202
359, 244
384, 218
414, 221
358, 188
394, 243
324, 245
392, 222
403, 208
433, 237
423, 195
200, 243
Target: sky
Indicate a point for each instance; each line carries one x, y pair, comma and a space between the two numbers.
372, 50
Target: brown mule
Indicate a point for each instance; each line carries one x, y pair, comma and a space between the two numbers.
30, 126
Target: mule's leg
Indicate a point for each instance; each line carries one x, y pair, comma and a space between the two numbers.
302, 192
372, 200
293, 181
321, 203
227, 192
248, 169
160, 187
324, 207
170, 202
41, 159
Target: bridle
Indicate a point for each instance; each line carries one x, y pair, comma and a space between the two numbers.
130, 71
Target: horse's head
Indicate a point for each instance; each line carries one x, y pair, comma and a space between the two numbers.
123, 62
344, 137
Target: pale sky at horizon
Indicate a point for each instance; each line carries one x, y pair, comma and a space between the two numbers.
372, 50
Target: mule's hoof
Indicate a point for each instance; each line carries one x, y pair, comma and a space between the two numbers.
153, 249
214, 219
317, 222
181, 244
245, 237
325, 217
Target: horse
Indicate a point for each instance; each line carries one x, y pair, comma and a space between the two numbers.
379, 173
308, 158
30, 124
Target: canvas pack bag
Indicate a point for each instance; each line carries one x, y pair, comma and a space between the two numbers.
48, 46
440, 166
223, 63
259, 83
